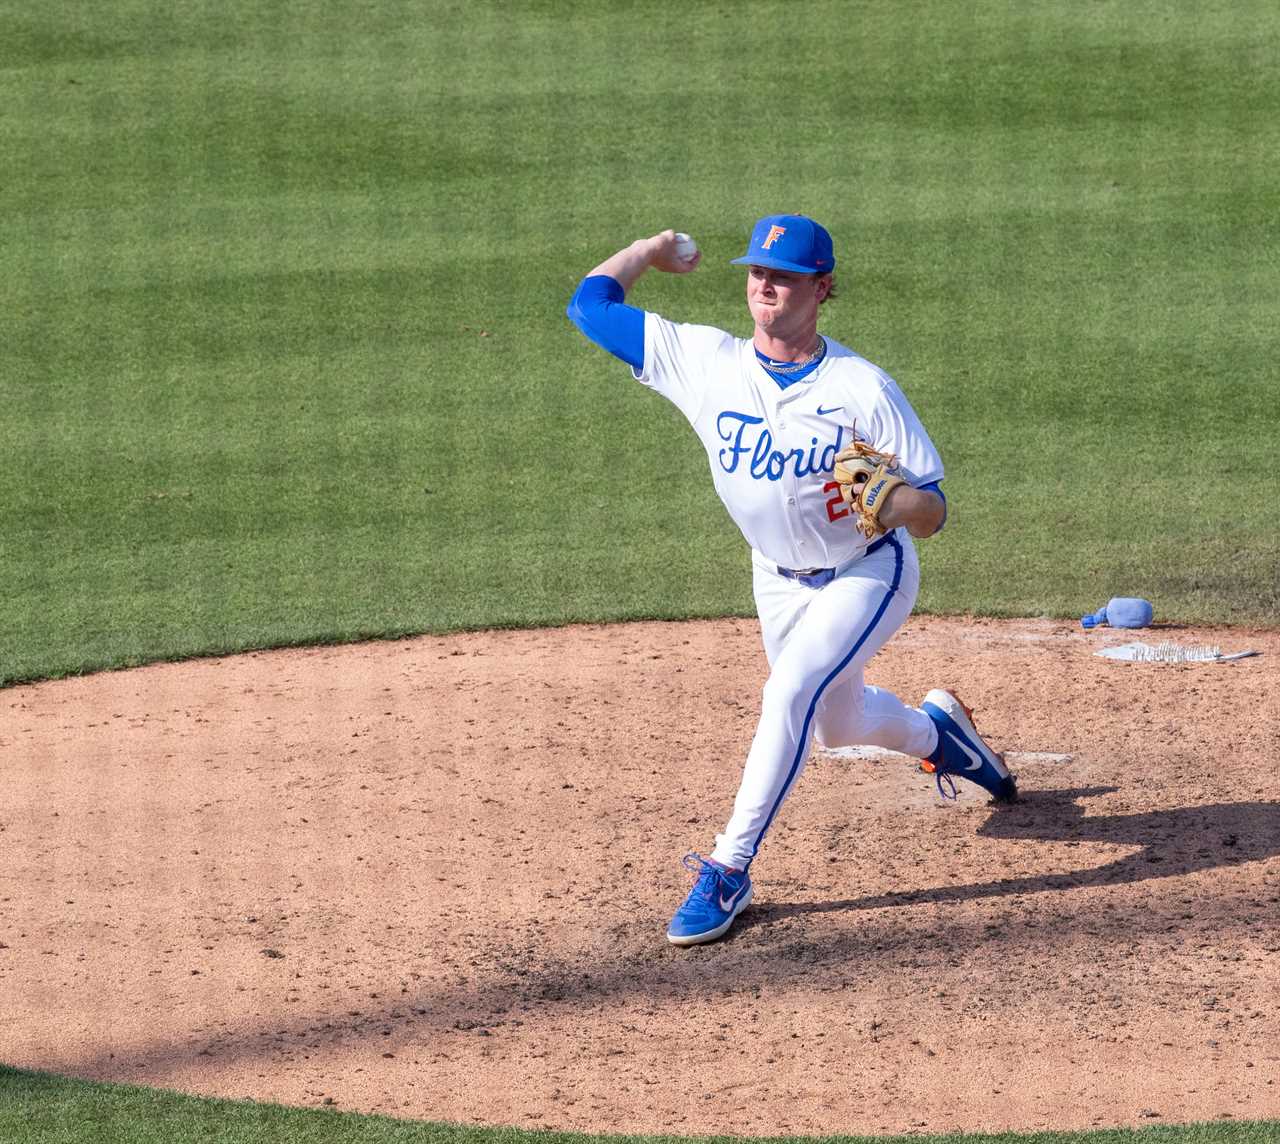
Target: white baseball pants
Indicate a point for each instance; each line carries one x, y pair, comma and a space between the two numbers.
817, 641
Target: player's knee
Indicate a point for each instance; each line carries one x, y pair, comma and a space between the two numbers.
785, 695
831, 733
839, 724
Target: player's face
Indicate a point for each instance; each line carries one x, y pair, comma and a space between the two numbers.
782, 302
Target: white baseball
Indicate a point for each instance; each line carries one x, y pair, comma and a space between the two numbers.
686, 248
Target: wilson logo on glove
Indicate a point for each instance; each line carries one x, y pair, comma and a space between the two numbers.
866, 477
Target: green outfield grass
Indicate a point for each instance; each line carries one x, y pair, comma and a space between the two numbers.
284, 356
38, 1109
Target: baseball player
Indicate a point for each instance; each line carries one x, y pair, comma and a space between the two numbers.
825, 467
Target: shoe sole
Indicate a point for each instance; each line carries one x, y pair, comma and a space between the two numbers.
719, 931
961, 715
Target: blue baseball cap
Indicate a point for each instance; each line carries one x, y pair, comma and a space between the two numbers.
790, 242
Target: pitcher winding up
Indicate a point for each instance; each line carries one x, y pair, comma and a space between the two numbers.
825, 467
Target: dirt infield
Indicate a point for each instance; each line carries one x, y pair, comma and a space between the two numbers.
431, 878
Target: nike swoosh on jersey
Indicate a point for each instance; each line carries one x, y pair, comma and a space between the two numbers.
976, 765
823, 412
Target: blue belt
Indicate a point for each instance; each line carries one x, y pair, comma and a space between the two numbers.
821, 577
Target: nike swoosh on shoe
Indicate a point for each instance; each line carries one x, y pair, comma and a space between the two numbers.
976, 765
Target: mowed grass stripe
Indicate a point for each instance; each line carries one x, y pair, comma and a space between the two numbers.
287, 358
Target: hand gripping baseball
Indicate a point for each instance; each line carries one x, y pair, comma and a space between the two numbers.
866, 477
673, 252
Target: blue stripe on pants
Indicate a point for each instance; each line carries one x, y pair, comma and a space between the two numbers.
803, 746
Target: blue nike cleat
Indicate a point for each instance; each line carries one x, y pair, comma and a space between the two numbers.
718, 896
962, 752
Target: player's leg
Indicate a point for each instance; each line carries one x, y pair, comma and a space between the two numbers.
851, 714
840, 628
940, 732
721, 892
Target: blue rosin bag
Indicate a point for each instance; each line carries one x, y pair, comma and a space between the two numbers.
1122, 612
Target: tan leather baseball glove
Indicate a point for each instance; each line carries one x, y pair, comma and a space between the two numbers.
866, 477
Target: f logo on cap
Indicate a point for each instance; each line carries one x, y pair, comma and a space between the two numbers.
789, 242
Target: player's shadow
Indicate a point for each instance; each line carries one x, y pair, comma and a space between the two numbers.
1171, 842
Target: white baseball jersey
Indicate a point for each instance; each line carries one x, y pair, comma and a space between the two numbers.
772, 450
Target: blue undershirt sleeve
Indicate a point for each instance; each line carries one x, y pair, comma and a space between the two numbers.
598, 310
936, 487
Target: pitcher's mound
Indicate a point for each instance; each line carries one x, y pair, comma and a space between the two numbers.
431, 879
